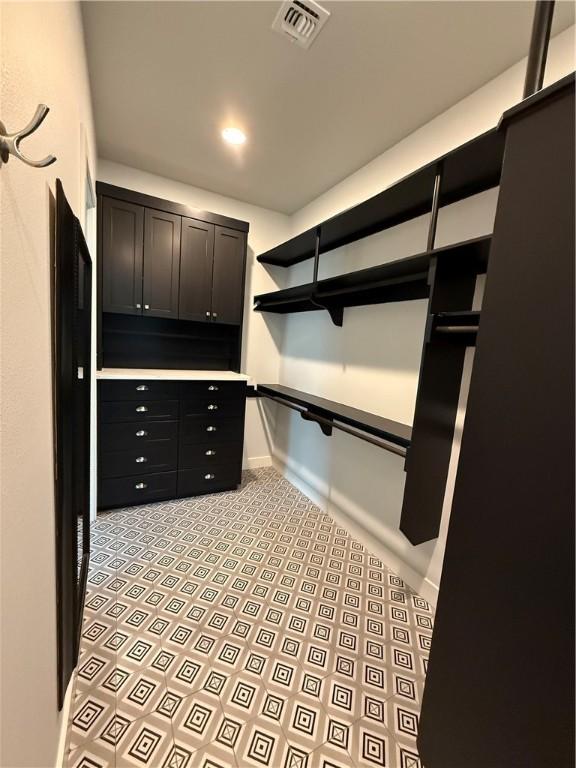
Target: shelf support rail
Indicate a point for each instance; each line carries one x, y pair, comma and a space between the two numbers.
538, 53
435, 207
326, 425
336, 313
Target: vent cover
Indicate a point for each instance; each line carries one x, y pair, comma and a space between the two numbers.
300, 21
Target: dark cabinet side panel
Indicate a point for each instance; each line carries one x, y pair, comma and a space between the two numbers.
122, 253
196, 270
500, 685
161, 264
228, 276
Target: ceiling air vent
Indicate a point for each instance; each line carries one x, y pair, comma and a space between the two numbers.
301, 22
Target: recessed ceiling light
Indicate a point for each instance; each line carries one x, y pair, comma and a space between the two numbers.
233, 135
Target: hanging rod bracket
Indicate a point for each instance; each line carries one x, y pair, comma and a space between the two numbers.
336, 313
10, 142
324, 425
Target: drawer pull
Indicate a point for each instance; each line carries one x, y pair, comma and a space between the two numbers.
141, 459
208, 477
212, 407
140, 486
141, 433
141, 409
142, 388
212, 388
210, 429
210, 453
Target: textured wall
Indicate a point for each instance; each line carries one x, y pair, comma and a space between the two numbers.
42, 61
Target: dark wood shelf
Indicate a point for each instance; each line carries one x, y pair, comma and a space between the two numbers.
467, 170
377, 426
400, 280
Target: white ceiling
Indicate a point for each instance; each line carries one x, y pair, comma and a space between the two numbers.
167, 77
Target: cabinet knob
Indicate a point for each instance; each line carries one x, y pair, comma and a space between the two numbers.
212, 407
141, 433
214, 314
142, 388
140, 486
210, 429
212, 388
210, 453
208, 477
146, 306
138, 306
141, 409
141, 460
207, 314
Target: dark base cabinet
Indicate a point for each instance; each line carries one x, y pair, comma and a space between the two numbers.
168, 439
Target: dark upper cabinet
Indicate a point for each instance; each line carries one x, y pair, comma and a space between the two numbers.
228, 276
196, 260
179, 272
161, 277
122, 255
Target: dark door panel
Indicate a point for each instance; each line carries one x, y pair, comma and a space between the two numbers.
138, 390
221, 389
140, 489
213, 406
228, 276
210, 430
161, 264
126, 436
196, 270
122, 253
195, 482
145, 459
208, 455
164, 410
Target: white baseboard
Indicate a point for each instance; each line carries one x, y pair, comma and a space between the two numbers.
64, 721
255, 462
359, 528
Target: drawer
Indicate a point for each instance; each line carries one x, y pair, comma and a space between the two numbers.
213, 406
126, 436
146, 459
208, 455
140, 489
223, 389
199, 429
138, 410
191, 390
139, 390
195, 482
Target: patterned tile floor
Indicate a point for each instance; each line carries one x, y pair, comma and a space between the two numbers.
244, 630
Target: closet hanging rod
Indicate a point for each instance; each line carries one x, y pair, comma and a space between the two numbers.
456, 329
310, 416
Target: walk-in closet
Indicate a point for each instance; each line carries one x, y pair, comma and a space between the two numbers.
287, 374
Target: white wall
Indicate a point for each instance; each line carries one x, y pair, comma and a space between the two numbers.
42, 61
373, 361
261, 349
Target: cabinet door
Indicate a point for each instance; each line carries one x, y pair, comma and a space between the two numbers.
228, 276
161, 263
122, 249
196, 270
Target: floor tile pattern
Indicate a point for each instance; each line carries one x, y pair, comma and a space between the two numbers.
244, 630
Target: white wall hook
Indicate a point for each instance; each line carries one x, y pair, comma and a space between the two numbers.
10, 142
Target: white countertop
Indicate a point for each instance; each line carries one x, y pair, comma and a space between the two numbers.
157, 373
